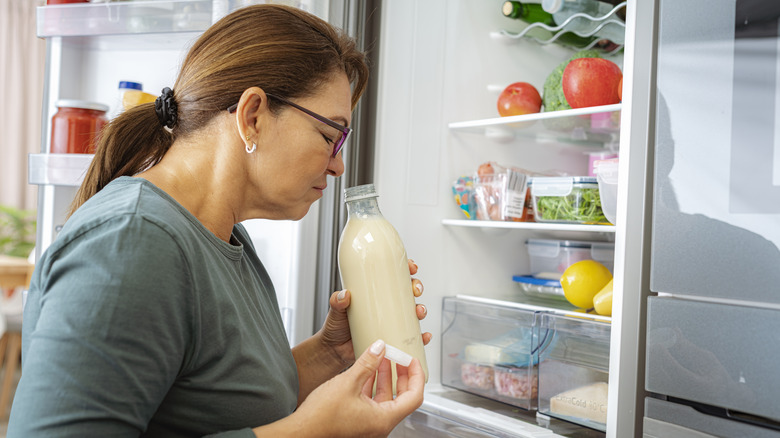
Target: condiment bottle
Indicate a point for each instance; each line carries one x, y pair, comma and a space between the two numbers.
374, 268
122, 89
76, 125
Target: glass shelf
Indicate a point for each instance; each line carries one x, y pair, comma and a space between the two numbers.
123, 18
57, 169
593, 126
535, 226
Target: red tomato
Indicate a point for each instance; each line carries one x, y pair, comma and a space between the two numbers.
591, 82
620, 89
518, 99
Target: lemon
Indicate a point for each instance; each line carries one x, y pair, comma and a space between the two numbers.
581, 281
602, 302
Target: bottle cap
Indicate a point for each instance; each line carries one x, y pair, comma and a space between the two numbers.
552, 6
359, 192
130, 85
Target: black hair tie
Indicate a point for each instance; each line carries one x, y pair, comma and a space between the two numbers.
166, 108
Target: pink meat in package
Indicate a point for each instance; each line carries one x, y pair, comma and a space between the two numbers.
501, 193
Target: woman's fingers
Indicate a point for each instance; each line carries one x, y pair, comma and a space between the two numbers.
417, 287
340, 300
410, 385
421, 310
412, 266
384, 382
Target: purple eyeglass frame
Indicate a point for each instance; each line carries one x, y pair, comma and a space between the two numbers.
345, 131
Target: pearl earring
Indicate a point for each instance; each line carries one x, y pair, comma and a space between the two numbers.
246, 146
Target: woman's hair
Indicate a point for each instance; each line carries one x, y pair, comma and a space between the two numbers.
283, 50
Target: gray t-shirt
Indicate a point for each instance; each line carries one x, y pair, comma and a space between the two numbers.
141, 322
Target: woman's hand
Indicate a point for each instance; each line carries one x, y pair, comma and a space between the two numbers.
344, 407
335, 333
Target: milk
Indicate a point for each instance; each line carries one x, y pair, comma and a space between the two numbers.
374, 268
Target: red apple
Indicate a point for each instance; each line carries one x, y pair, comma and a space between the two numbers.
591, 82
620, 89
518, 99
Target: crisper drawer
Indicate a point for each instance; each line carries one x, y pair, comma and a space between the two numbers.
492, 350
574, 375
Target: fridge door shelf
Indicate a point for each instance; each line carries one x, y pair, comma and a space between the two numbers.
544, 34
123, 18
585, 127
57, 169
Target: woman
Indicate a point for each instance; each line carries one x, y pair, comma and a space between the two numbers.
151, 315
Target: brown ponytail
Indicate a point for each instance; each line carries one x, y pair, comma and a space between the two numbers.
284, 50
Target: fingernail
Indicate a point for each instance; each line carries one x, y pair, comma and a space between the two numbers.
419, 288
424, 309
377, 347
341, 295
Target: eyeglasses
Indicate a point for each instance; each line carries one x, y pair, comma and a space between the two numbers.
343, 131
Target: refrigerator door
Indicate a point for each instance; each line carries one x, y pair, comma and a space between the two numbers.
716, 212
721, 356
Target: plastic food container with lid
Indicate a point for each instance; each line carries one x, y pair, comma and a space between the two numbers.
550, 256
573, 199
76, 125
607, 176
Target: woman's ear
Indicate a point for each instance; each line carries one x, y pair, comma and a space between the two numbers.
251, 106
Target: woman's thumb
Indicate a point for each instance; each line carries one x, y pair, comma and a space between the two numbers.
369, 361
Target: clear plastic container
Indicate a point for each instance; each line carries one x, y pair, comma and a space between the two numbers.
540, 287
607, 177
573, 200
549, 257
482, 342
596, 156
573, 378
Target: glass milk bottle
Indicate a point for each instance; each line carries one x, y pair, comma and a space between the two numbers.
374, 268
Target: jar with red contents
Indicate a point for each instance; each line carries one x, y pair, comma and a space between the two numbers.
76, 125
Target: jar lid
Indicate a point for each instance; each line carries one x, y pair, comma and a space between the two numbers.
83, 104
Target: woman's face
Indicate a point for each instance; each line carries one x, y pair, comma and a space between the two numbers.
294, 156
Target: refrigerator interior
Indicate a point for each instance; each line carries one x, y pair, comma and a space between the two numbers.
443, 65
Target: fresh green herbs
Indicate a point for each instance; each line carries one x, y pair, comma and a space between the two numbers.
580, 206
17, 231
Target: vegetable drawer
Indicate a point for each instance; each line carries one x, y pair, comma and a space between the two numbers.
492, 350
573, 377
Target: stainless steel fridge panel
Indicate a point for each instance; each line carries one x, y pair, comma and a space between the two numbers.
715, 354
716, 209
665, 419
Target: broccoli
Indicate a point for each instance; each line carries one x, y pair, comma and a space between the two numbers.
552, 96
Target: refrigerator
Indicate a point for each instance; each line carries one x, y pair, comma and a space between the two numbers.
429, 117
713, 317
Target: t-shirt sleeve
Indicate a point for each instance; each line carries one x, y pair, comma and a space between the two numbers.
117, 298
